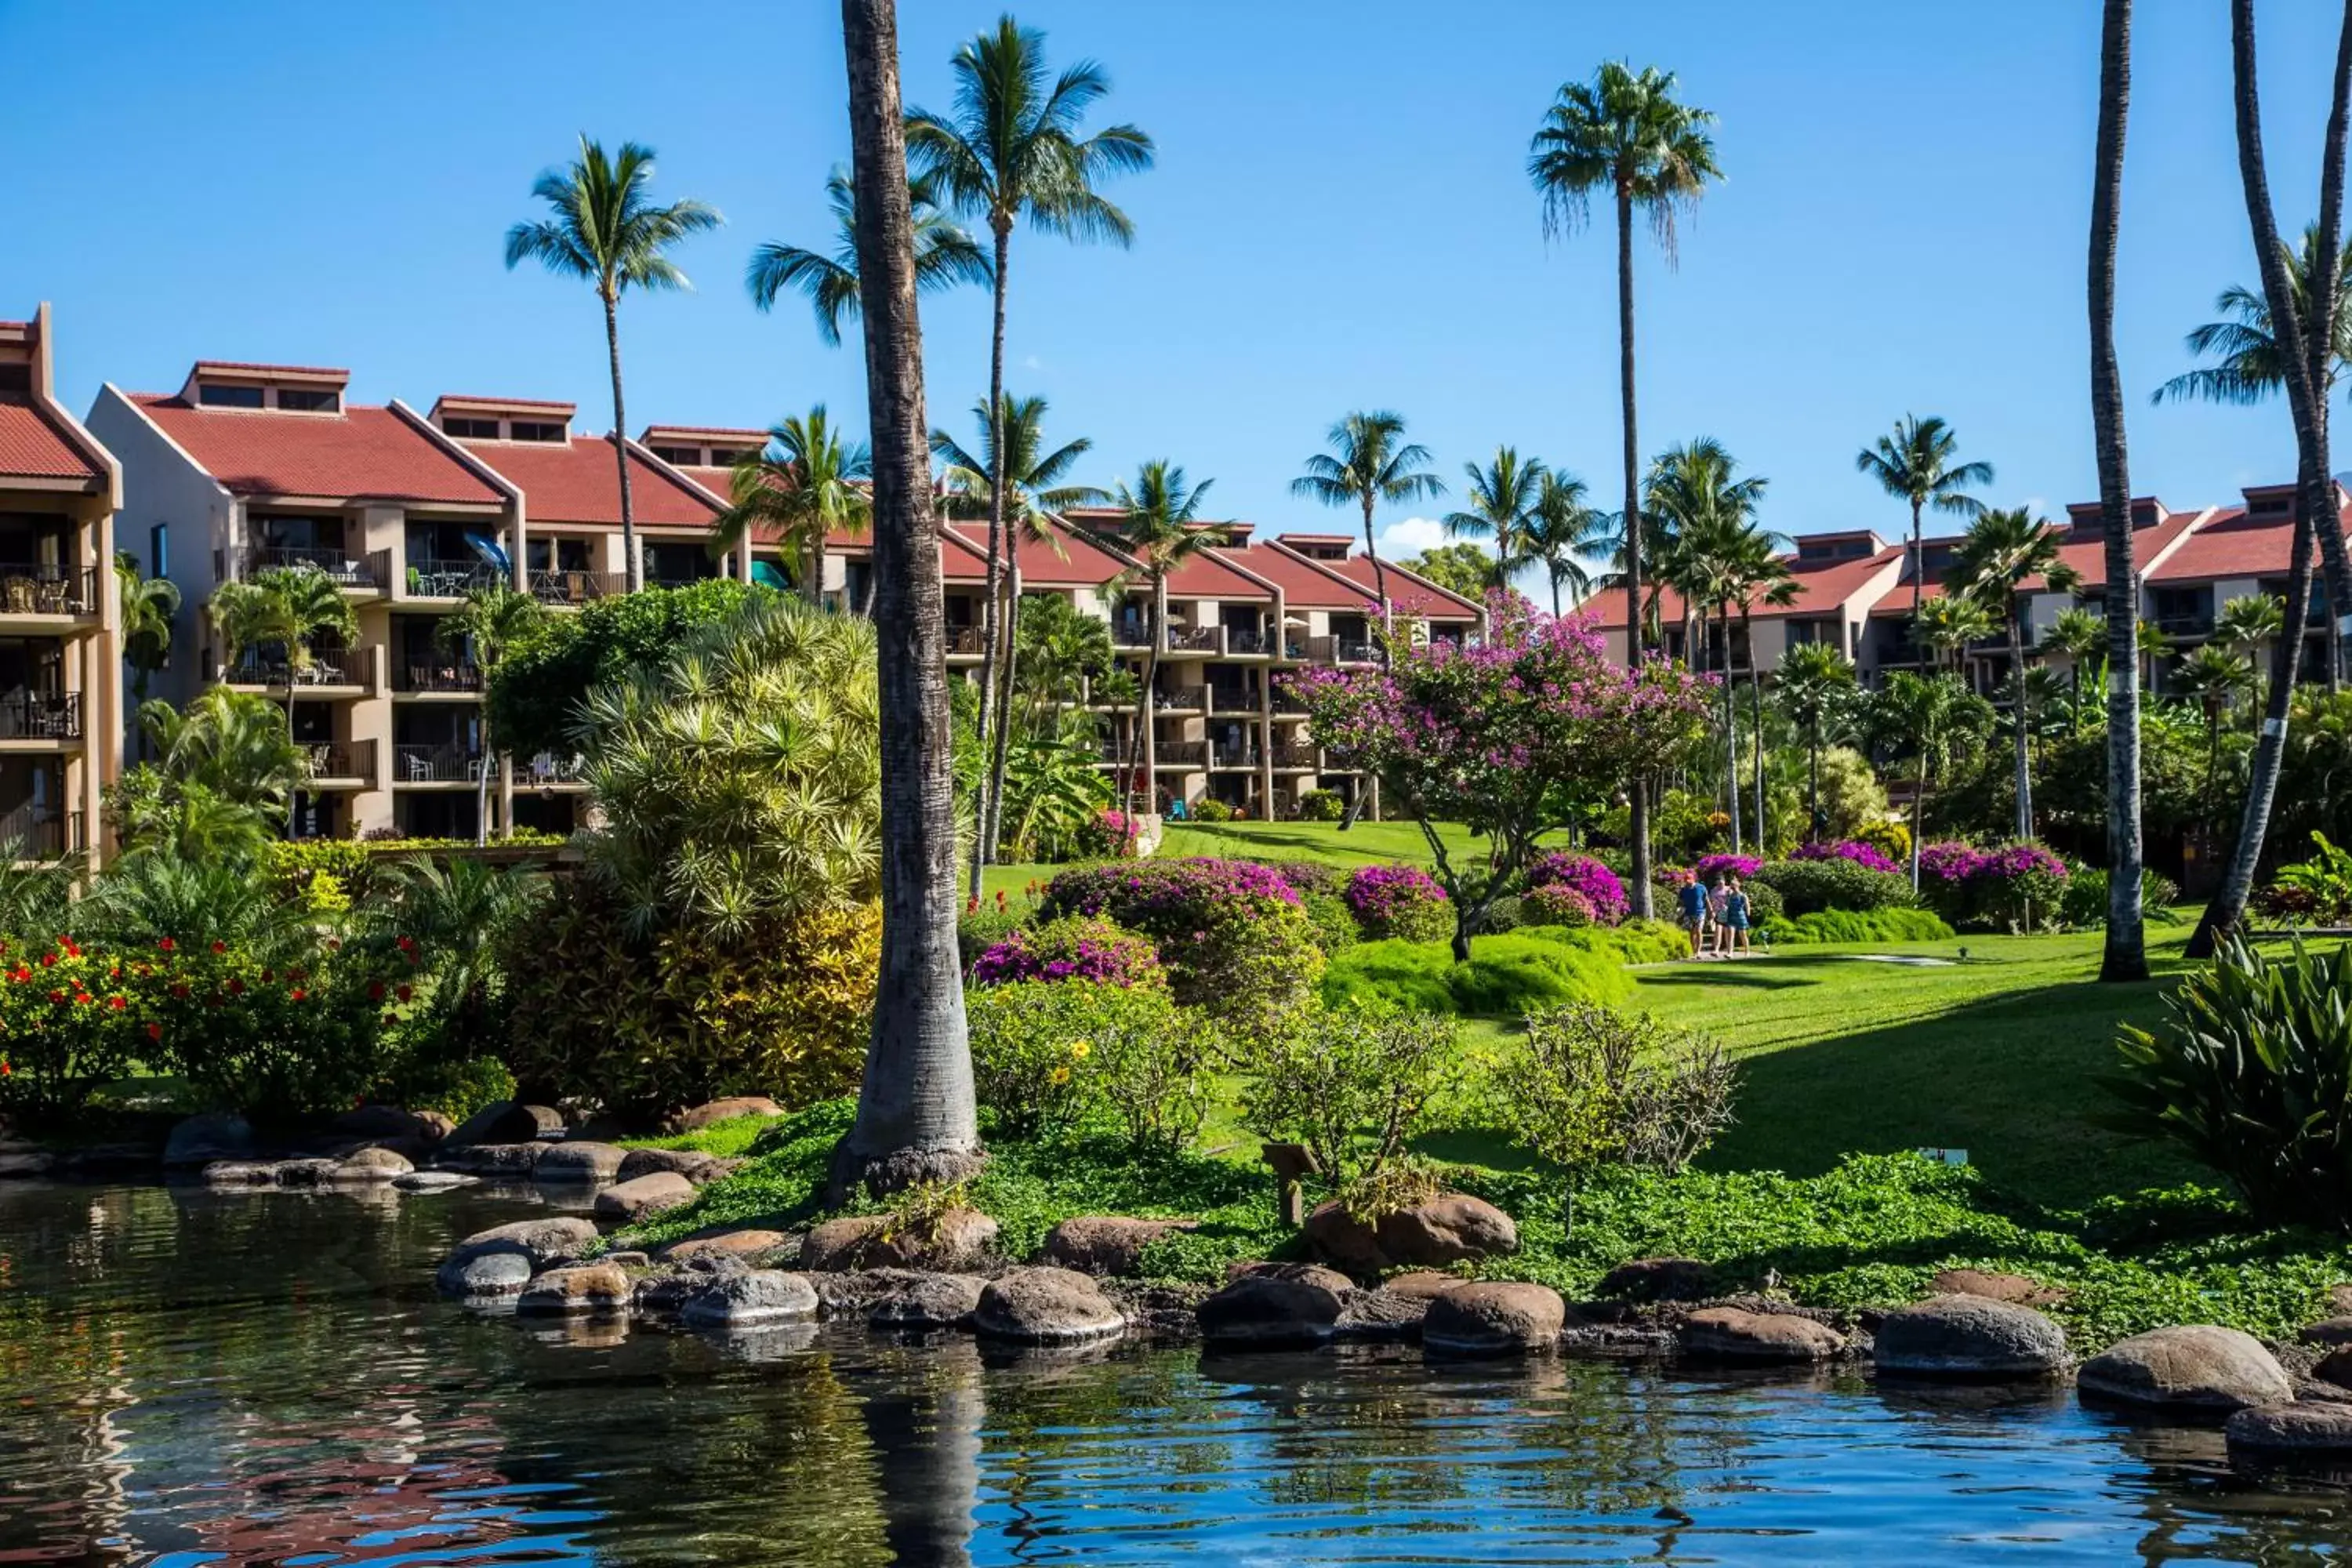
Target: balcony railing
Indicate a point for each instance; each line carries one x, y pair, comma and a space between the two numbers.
37, 832
1294, 757
367, 573
547, 768
568, 587
2195, 625
1242, 641
972, 641
1233, 700
460, 675
341, 762
442, 764
1183, 698
1244, 755
35, 589
327, 667
430, 578
1181, 753
1132, 631
1339, 651
1192, 639
35, 716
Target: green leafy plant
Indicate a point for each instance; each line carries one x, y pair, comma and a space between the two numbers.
1208, 808
1507, 974
1353, 1083
1321, 805
1806, 886
1857, 926
1590, 1085
2319, 889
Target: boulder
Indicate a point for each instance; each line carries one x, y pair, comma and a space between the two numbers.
581, 1288
1421, 1284
1380, 1314
433, 1181
2014, 1289
645, 1196
391, 1124
20, 1158
240, 1173
1106, 1244
2328, 1332
314, 1173
2339, 1300
489, 1274
1446, 1229
752, 1297
571, 1160
2197, 1367
926, 1301
1046, 1307
1727, 1333
2336, 1367
370, 1165
536, 1241
494, 1160
1659, 1280
957, 1243
691, 1164
215, 1135
505, 1121
726, 1110
747, 1242
1276, 1304
1493, 1318
1968, 1336
2305, 1426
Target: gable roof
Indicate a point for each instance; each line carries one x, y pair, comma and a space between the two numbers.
1824, 588
35, 445
2084, 546
1081, 564
362, 453
2236, 543
577, 482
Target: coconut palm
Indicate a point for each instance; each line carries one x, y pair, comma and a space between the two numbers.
286, 608
917, 1118
1702, 514
2247, 367
2002, 552
1503, 497
494, 619
1063, 651
150, 605
1558, 532
945, 256
806, 483
606, 229
1914, 465
1950, 624
1926, 719
1159, 529
2080, 635
1812, 684
1370, 461
1625, 135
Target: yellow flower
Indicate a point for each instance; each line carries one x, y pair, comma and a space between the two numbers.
1061, 1075
1079, 1049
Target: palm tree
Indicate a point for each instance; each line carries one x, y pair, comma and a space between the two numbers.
945, 256
494, 618
2250, 623
1623, 134
2214, 678
1926, 718
2080, 635
1014, 465
1699, 513
2249, 368
804, 482
606, 229
1159, 529
283, 608
2002, 552
1761, 577
1951, 624
150, 605
1370, 461
1813, 683
1914, 464
1560, 532
1063, 651
1503, 498
917, 1118
1012, 148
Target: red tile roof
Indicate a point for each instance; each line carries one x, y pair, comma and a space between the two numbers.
577, 482
2234, 544
1079, 564
1303, 586
34, 446
476, 400
1412, 594
363, 452
2084, 548
1822, 588
1210, 575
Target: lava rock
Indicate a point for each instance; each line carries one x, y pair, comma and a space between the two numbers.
923, 1301
495, 1160
646, 1195
1046, 1307
390, 1124
572, 1160
2328, 1332
1446, 1229
538, 1242
747, 1242
2014, 1289
1493, 1318
727, 1110
240, 1173
691, 1164
1421, 1284
1106, 1244
1659, 1280
370, 1165
1381, 1315
433, 1181
1727, 1333
1276, 1304
489, 1274
1968, 1336
215, 1135
957, 1243
581, 1288
2305, 1426
20, 1158
754, 1295
2197, 1367
505, 1121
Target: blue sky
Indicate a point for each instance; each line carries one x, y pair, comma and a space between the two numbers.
1339, 218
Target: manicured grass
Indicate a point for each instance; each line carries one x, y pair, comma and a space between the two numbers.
1365, 844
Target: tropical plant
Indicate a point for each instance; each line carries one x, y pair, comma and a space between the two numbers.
2002, 554
1053, 793
1331, 1073
1587, 1084
1370, 461
1232, 934
285, 609
1064, 654
150, 605
2249, 367
1948, 624
1159, 529
457, 911
2081, 636
1503, 497
1914, 464
945, 256
2213, 679
224, 768
1460, 568
1926, 718
1399, 901
495, 618
806, 484
1813, 685
2249, 623
1558, 534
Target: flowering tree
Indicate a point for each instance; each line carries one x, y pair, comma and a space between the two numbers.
1498, 734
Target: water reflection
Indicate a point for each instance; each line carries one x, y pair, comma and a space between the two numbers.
188, 1377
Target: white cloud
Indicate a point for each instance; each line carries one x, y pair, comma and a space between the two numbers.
1411, 537
1030, 361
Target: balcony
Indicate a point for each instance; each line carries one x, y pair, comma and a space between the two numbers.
1295, 759
1287, 702
457, 678
33, 589
353, 573
575, 588
1195, 639
340, 764
38, 832
347, 669
967, 642
444, 764
1182, 698
1181, 754
1242, 643
1233, 700
2198, 625
547, 770
1132, 631
1241, 754
36, 716
1339, 651
441, 579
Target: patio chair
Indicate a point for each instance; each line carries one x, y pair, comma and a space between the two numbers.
419, 769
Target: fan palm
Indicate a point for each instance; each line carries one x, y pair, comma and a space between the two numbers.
2001, 553
1503, 498
1370, 461
1950, 624
1915, 464
1813, 683
495, 618
1925, 717
606, 229
806, 483
2250, 623
945, 256
2214, 678
286, 608
1558, 532
1159, 529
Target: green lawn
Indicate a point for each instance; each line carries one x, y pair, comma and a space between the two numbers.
1365, 843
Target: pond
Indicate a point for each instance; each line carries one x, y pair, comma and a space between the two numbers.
191, 1377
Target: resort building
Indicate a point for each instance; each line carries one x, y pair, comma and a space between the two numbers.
1839, 579
61, 692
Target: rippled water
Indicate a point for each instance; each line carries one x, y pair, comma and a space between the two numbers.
189, 1378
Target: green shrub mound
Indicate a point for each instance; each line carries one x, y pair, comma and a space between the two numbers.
2084, 906
1858, 926
1807, 887
1507, 974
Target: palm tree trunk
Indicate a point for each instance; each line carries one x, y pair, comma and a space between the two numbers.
2017, 721
992, 608
995, 825
1149, 707
817, 557
1380, 577
633, 562
2125, 955
1918, 574
1640, 803
1813, 788
1919, 811
916, 1116
1730, 727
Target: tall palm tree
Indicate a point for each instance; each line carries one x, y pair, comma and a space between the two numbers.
2002, 552
2248, 367
150, 605
285, 607
1021, 486
1503, 498
1159, 528
1370, 461
605, 228
494, 618
1926, 718
1914, 464
1761, 578
1699, 512
807, 484
1560, 533
1624, 134
917, 1118
1813, 683
945, 256
1013, 148
2080, 635
2214, 678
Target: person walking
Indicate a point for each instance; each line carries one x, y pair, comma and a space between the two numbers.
1736, 920
1690, 902
1716, 934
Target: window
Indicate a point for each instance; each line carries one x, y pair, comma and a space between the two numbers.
16, 378
727, 457
690, 457
159, 550
216, 396
470, 429
534, 430
309, 400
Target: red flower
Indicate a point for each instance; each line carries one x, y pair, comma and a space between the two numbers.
167, 945
57, 995
5, 1070
115, 973
299, 994
375, 990
154, 1031
48, 960
406, 944
180, 991
116, 1002
235, 988
81, 998
405, 993
71, 948
391, 1017
220, 947
20, 974
268, 976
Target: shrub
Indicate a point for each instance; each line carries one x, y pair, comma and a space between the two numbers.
984, 922
66, 1027
2316, 892
1400, 902
1321, 805
1330, 1073
1892, 839
1865, 855
1588, 1086
1508, 912
2253, 1080
2085, 904
1807, 886
1208, 808
454, 1089
1587, 875
1108, 835
1507, 974
2012, 888
1744, 867
1764, 902
1557, 904
1857, 926
1080, 947
1231, 934
1307, 877
1032, 1046
1336, 929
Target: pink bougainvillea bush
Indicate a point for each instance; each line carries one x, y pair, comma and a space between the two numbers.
1868, 855
1231, 934
1109, 834
1557, 904
1600, 887
1400, 902
1744, 867
1082, 947
2013, 887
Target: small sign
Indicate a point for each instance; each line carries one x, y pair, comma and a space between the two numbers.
1945, 1156
2275, 728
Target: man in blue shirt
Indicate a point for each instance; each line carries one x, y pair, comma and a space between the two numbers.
1691, 900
